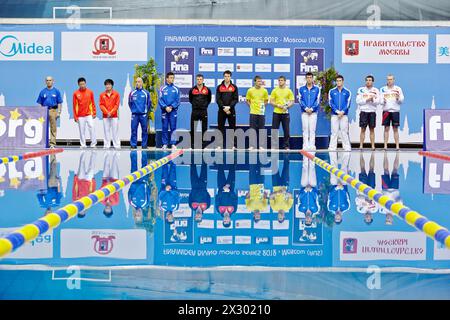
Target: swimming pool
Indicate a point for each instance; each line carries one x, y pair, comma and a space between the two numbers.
127, 249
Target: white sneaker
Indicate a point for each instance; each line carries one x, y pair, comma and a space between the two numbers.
174, 147
312, 148
331, 149
219, 148
164, 147
261, 148
251, 148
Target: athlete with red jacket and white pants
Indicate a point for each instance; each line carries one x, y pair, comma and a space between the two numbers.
84, 112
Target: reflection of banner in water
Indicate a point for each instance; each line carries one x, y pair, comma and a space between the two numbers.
24, 175
106, 243
436, 176
23, 127
39, 248
301, 233
382, 245
181, 231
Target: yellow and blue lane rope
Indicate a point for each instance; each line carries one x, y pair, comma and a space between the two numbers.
413, 218
16, 239
30, 155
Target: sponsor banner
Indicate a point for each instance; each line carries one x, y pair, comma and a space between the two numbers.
244, 83
225, 66
440, 252
108, 46
282, 52
263, 52
267, 83
224, 239
282, 67
436, 176
244, 52
181, 61
207, 51
105, 243
262, 224
24, 175
263, 67
206, 224
221, 226
382, 245
26, 46
244, 67
243, 224
288, 83
210, 83
261, 240
280, 226
206, 240
23, 127
443, 48
225, 52
384, 48
280, 240
207, 67
307, 60
243, 240
437, 130
39, 248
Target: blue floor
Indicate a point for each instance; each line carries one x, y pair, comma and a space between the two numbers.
133, 252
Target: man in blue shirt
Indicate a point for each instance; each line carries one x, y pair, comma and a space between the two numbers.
339, 99
169, 101
140, 104
50, 97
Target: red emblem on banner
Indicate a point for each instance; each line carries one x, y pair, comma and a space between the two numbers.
103, 245
104, 44
351, 47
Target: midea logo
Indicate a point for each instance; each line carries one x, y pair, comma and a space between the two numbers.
10, 46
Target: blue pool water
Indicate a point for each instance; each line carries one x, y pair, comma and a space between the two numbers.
133, 252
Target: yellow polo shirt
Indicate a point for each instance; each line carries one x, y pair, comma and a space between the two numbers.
257, 97
281, 96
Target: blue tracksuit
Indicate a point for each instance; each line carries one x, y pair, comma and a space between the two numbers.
169, 95
338, 198
309, 98
339, 100
140, 104
309, 200
169, 200
139, 192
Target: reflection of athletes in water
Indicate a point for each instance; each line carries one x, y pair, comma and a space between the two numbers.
84, 181
256, 199
281, 200
226, 200
309, 194
390, 186
308, 236
110, 175
169, 196
199, 197
139, 192
338, 196
51, 197
365, 205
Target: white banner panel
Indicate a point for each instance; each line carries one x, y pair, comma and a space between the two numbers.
207, 67
244, 52
244, 67
26, 46
440, 252
39, 248
382, 245
443, 48
281, 67
105, 243
263, 67
282, 52
98, 46
384, 48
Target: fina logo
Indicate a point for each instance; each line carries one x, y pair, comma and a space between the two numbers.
435, 125
206, 51
263, 52
11, 46
309, 58
178, 56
